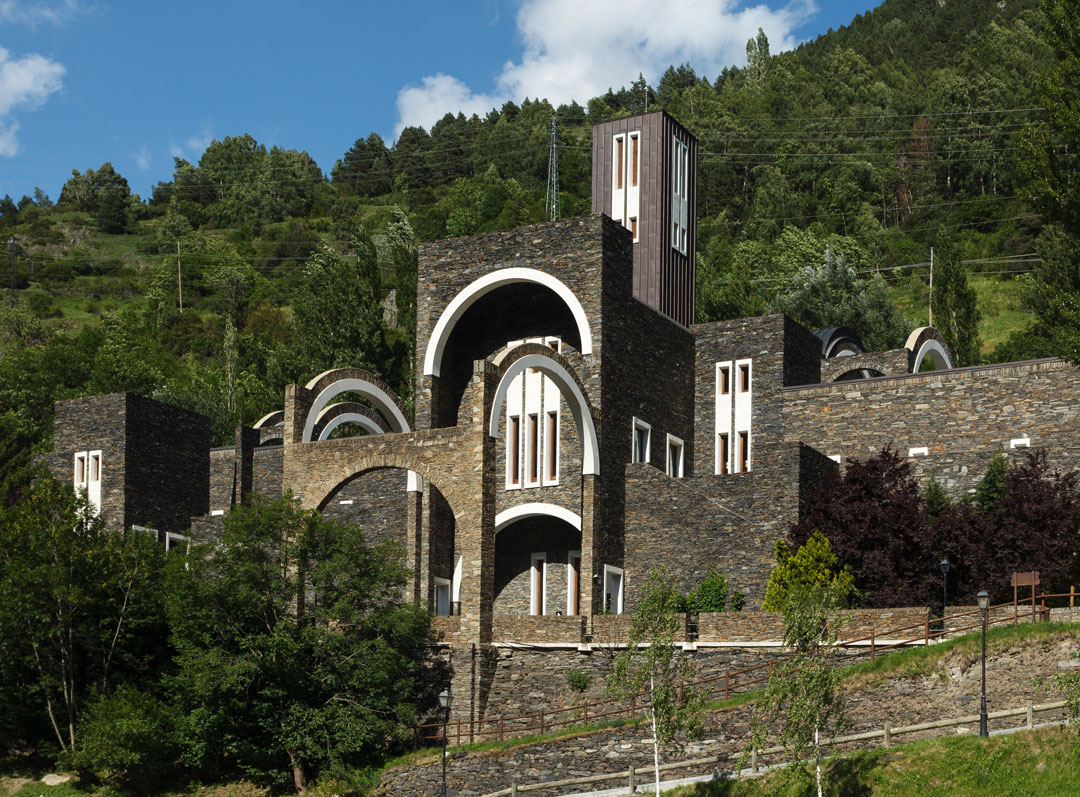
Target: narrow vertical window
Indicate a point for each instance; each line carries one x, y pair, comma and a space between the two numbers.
633, 228
722, 453
744, 378
80, 470
534, 447
573, 581
633, 161
725, 381
679, 199
744, 452
95, 467
514, 450
674, 457
641, 441
538, 598
553, 445
619, 162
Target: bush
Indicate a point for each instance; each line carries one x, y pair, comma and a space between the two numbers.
712, 595
812, 566
577, 680
129, 739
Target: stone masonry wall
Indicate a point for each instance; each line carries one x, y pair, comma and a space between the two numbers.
267, 477
91, 424
887, 363
514, 547
963, 417
222, 478
375, 501
167, 464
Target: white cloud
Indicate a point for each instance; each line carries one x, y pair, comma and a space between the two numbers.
193, 146
33, 14
142, 158
25, 83
576, 50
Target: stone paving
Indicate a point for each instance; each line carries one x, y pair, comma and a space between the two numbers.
1014, 676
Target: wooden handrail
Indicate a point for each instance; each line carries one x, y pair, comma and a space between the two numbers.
475, 727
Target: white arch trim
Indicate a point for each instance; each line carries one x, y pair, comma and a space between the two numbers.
379, 397
264, 419
346, 417
937, 354
382, 401
579, 407
514, 513
489, 282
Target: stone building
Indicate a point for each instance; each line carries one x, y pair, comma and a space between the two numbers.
573, 427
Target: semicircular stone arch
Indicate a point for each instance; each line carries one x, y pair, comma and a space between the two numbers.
479, 288
334, 415
515, 513
514, 361
927, 341
334, 382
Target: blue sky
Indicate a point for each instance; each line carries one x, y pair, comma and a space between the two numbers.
135, 83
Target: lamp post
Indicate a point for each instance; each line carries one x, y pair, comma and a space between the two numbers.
444, 701
944, 591
984, 605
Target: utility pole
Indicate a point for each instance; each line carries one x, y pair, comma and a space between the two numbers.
179, 287
930, 308
552, 202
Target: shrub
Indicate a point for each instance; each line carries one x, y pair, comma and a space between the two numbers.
129, 739
712, 595
577, 680
812, 565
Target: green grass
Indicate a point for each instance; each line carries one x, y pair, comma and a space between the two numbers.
998, 300
1044, 762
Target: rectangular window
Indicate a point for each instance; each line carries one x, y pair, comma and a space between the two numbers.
173, 540
725, 381
613, 589
442, 597
538, 578
633, 228
633, 162
641, 441
744, 452
534, 447
674, 457
95, 467
722, 454
573, 583
619, 162
80, 470
679, 200
552, 445
744, 378
513, 450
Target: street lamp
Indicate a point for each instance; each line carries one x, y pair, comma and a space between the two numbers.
944, 590
444, 701
984, 605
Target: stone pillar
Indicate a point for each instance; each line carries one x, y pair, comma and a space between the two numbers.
475, 529
298, 401
414, 539
247, 439
590, 549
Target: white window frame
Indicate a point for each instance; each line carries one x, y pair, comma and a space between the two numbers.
679, 195
92, 465
642, 426
80, 469
172, 539
742, 401
438, 585
570, 588
617, 598
674, 469
538, 603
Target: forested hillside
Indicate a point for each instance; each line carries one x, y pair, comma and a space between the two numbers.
826, 175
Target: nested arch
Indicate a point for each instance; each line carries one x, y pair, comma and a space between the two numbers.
332, 383
514, 361
522, 511
333, 416
927, 341
489, 282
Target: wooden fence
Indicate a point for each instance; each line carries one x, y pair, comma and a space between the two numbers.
731, 682
633, 776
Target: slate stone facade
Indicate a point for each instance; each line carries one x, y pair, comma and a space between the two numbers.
434, 478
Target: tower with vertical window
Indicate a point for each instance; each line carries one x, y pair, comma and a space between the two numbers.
644, 176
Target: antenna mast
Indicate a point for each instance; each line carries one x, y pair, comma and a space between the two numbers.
552, 202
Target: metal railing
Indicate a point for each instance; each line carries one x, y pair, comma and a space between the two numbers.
730, 682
